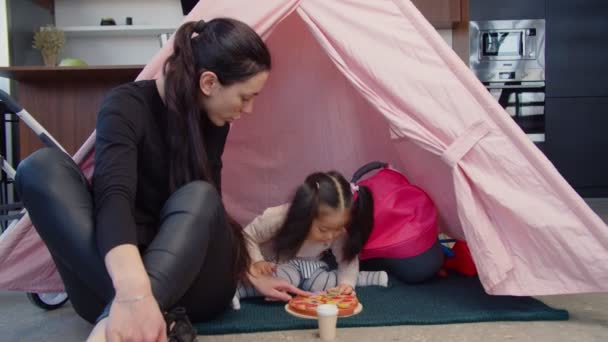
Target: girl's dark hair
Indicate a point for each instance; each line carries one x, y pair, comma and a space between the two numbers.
333, 190
234, 53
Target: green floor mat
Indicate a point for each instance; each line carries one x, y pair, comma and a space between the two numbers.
449, 300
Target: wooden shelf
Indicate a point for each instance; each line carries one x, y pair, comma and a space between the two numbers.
116, 30
93, 73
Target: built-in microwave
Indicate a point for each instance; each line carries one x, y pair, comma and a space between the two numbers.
497, 44
508, 50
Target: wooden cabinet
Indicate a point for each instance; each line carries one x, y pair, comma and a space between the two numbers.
65, 100
507, 9
577, 141
440, 13
48, 4
577, 48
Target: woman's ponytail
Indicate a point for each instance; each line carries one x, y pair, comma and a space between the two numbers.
184, 123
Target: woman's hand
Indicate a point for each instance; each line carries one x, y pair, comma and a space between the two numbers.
263, 268
343, 289
275, 288
136, 319
134, 315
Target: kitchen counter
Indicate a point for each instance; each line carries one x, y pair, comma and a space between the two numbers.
42, 73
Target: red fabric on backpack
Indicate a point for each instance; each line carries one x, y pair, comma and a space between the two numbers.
405, 218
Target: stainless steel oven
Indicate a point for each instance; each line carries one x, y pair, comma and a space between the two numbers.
526, 105
508, 56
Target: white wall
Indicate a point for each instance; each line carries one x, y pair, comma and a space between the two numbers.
113, 50
143, 12
126, 49
446, 35
3, 43
4, 85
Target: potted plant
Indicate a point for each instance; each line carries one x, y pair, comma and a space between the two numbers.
50, 41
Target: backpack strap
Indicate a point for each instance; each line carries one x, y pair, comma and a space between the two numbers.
367, 168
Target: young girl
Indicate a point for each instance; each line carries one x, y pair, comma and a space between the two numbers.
291, 240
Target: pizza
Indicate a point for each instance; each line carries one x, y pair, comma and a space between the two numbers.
308, 305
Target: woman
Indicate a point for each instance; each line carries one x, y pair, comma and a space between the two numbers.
153, 234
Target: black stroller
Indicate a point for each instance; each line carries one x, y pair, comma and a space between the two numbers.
11, 213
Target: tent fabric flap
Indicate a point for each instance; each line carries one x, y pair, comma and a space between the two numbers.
358, 80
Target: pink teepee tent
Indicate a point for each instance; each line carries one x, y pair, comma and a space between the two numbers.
355, 81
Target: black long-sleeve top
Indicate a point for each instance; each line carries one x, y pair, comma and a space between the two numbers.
130, 179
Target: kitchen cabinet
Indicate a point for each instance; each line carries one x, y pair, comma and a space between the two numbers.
577, 142
440, 13
577, 48
507, 9
65, 100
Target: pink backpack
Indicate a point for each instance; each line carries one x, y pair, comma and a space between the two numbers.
405, 219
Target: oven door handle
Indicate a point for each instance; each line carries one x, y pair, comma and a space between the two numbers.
516, 86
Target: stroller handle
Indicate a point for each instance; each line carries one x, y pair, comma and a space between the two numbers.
7, 168
367, 168
12, 105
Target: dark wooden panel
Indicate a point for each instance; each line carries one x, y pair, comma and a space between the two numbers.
71, 74
460, 34
440, 13
576, 141
577, 48
507, 9
64, 100
68, 112
48, 4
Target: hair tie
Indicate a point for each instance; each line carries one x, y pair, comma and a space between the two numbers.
199, 26
317, 185
354, 187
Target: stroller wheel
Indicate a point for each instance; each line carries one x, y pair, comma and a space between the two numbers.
48, 301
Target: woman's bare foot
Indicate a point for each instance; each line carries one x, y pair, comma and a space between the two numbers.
99, 332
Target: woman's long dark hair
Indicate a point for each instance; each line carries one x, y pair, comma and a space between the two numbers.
234, 53
333, 190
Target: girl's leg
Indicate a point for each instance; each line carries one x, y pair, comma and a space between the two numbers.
60, 205
410, 270
322, 279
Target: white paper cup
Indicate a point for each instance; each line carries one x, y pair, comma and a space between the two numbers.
327, 315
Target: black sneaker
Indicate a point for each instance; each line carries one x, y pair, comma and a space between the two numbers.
179, 327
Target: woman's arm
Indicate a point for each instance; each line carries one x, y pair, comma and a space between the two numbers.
115, 173
128, 274
114, 188
134, 314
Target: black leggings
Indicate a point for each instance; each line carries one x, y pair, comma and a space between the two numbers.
189, 261
415, 269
